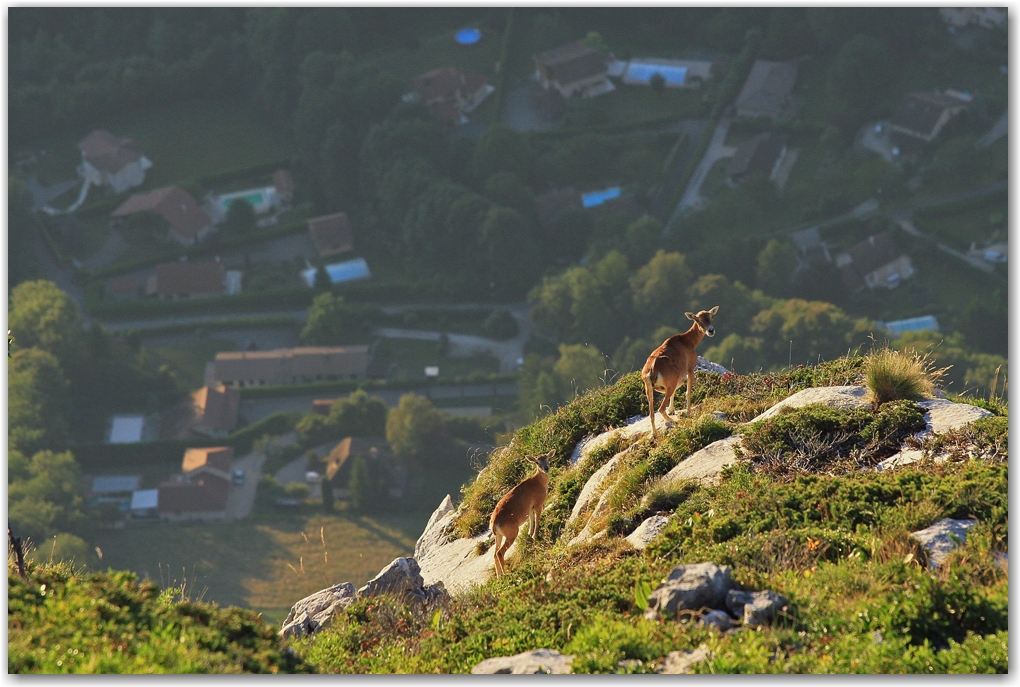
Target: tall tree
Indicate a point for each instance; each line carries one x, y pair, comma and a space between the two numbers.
43, 316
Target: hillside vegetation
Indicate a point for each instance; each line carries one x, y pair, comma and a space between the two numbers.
823, 529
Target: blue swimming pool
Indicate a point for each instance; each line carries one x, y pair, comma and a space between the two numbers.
468, 36
640, 72
590, 200
339, 272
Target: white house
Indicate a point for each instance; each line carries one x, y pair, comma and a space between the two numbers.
112, 161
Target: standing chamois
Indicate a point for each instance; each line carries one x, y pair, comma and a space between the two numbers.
521, 504
671, 361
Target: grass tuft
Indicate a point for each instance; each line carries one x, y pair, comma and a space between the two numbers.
894, 376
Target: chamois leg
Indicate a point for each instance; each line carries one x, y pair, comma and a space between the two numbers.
496, 554
690, 380
510, 535
668, 400
651, 405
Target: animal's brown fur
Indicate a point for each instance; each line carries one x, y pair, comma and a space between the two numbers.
672, 361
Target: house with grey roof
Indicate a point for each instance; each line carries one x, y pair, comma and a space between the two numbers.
760, 154
573, 68
767, 91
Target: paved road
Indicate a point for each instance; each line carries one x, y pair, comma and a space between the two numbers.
692, 199
695, 129
241, 498
998, 130
908, 212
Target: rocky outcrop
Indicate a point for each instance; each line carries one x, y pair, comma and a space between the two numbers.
942, 538
757, 608
591, 487
681, 662
943, 415
690, 588
400, 578
455, 563
844, 397
315, 611
648, 530
709, 587
527, 663
706, 465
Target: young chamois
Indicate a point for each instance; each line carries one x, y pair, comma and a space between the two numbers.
521, 504
671, 361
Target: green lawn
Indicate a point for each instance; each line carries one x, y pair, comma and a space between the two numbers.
633, 105
412, 356
185, 141
440, 50
979, 225
266, 563
188, 361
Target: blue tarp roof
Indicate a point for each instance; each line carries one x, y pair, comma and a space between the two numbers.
468, 36
914, 324
340, 272
590, 200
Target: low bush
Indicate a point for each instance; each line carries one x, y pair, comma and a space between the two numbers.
63, 621
817, 438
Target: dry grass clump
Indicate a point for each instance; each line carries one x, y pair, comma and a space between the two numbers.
894, 376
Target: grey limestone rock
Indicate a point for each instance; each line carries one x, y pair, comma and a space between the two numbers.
648, 530
680, 662
690, 588
315, 610
399, 577
527, 663
757, 608
938, 540
719, 620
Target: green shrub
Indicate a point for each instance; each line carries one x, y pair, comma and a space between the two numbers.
62, 621
818, 438
500, 325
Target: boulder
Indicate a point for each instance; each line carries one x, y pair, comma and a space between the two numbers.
436, 529
757, 608
943, 415
648, 530
591, 487
832, 396
690, 588
938, 540
680, 662
718, 620
708, 366
527, 663
314, 611
600, 509
401, 576
706, 465
455, 563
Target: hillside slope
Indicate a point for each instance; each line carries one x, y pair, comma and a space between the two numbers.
816, 512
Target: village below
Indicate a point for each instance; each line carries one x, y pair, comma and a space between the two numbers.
283, 281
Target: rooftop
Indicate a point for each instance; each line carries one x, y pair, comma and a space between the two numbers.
176, 206
331, 234
108, 153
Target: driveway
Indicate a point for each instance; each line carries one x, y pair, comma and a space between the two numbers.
521, 111
692, 200
241, 498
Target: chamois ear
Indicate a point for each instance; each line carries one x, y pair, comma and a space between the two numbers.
713, 311
690, 316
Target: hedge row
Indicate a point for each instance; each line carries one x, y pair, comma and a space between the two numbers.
348, 386
504, 58
289, 297
171, 451
267, 322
